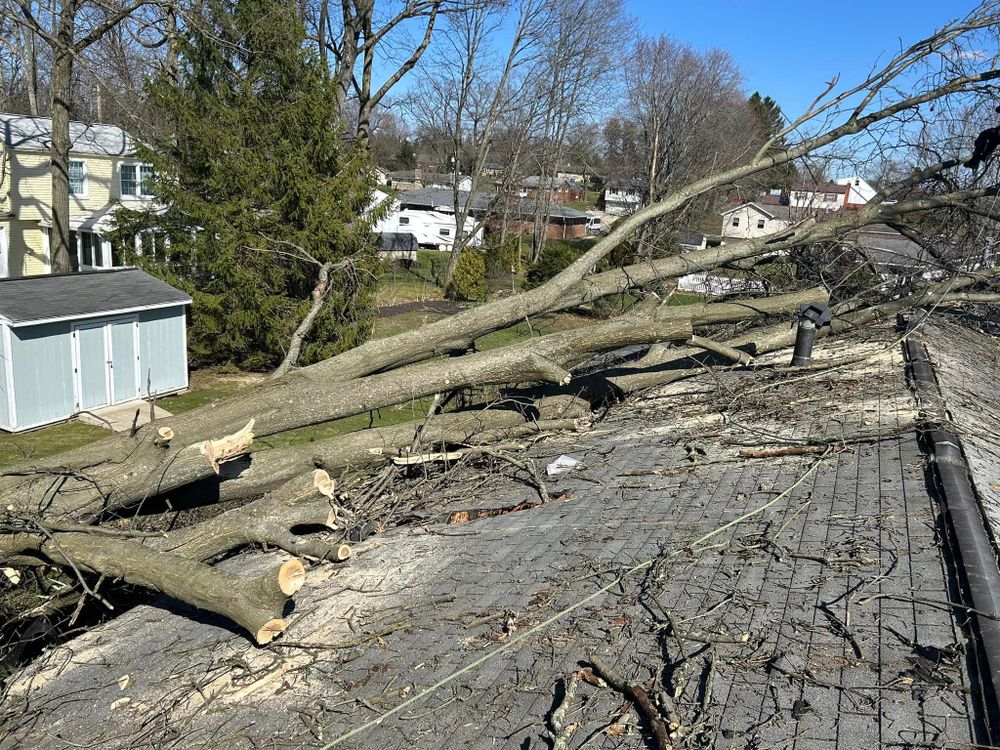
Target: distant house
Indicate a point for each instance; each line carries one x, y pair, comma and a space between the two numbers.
620, 199
82, 341
103, 172
417, 179
381, 176
827, 196
766, 215
563, 222
754, 219
493, 170
561, 190
859, 192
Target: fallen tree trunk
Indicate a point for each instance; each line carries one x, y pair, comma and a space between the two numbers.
662, 366
256, 603
292, 394
154, 467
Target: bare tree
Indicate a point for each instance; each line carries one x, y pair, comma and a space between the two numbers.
688, 112
466, 92
68, 28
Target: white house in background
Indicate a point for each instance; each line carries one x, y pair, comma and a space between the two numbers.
750, 220
826, 196
860, 192
103, 172
620, 199
433, 228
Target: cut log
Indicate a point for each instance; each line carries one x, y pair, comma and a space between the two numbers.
256, 603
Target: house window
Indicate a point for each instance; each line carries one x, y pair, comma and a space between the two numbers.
831, 196
89, 251
736, 221
760, 223
136, 180
404, 219
444, 232
77, 177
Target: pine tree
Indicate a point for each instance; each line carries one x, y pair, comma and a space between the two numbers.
257, 188
769, 122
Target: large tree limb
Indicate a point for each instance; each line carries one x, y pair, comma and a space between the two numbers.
256, 603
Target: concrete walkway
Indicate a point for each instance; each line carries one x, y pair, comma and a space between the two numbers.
120, 417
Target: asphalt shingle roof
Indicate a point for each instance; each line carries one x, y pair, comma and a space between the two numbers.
816, 616
81, 295
35, 134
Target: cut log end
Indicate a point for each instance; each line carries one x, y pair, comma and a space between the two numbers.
291, 577
331, 519
324, 484
343, 552
228, 447
270, 630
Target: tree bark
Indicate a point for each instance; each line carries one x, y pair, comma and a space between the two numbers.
305, 398
255, 603
61, 85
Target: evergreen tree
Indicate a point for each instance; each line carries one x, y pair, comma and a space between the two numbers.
255, 188
769, 122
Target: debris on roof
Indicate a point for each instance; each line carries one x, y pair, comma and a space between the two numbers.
761, 558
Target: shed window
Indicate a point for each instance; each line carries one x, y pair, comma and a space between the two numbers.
760, 223
736, 221
77, 177
831, 196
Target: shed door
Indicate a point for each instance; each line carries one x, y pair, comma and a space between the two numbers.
124, 367
92, 365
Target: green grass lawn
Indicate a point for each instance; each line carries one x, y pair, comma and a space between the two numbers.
589, 201
46, 441
400, 285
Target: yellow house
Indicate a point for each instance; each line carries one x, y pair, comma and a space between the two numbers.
103, 172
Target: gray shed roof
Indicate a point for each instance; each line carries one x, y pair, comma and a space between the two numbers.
70, 296
431, 197
35, 134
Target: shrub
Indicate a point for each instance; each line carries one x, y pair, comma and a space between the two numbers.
554, 258
468, 284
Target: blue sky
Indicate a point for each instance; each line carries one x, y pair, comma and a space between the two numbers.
789, 50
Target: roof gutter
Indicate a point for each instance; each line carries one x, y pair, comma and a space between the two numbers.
975, 556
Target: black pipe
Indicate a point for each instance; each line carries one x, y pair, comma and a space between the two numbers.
805, 337
976, 558
811, 319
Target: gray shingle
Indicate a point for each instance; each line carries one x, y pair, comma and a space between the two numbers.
79, 295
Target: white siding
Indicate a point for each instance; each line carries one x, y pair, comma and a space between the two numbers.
748, 217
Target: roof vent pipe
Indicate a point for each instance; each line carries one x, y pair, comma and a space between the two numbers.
811, 319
